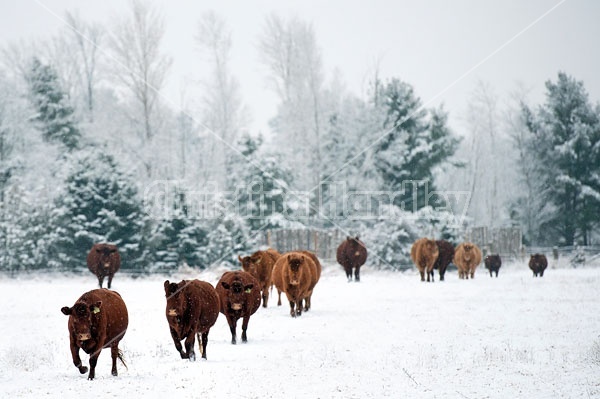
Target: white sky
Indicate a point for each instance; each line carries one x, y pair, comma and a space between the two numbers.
429, 44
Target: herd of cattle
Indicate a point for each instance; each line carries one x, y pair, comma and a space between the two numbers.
99, 318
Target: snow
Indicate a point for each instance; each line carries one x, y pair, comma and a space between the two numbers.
388, 336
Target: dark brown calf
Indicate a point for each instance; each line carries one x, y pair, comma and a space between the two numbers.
239, 293
352, 254
97, 320
446, 253
493, 263
104, 260
192, 309
538, 263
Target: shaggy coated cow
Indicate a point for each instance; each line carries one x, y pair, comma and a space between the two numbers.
192, 309
466, 258
260, 265
352, 254
446, 253
296, 274
239, 294
424, 253
538, 263
97, 320
493, 263
104, 260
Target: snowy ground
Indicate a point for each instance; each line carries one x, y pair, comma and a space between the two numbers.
389, 336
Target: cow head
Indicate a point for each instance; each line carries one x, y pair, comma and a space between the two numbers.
468, 252
105, 252
237, 293
250, 263
175, 305
295, 261
432, 248
80, 319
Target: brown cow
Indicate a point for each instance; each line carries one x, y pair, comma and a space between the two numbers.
97, 320
538, 263
467, 258
352, 254
424, 253
446, 253
192, 309
298, 277
260, 265
277, 279
493, 263
239, 294
104, 260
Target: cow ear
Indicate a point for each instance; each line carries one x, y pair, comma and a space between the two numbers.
357, 239
66, 310
98, 250
248, 288
258, 261
95, 308
166, 285
302, 258
240, 259
225, 285
348, 238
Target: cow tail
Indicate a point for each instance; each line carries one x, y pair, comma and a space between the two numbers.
120, 356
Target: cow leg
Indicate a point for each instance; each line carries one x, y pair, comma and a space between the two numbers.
292, 310
441, 274
100, 280
114, 353
178, 344
93, 362
307, 302
357, 274
299, 307
496, 273
204, 344
244, 328
232, 321
422, 275
542, 273
265, 297
472, 274
76, 358
349, 274
278, 297
190, 340
110, 277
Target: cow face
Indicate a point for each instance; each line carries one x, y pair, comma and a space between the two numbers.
295, 263
237, 293
468, 252
175, 305
80, 319
250, 263
432, 248
104, 255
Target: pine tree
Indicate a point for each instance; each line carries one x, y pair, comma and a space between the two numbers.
99, 204
54, 114
416, 142
565, 147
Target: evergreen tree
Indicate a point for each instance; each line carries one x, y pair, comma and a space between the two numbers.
417, 141
565, 146
54, 114
99, 204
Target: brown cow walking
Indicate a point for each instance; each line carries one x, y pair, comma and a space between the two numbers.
192, 309
239, 294
538, 263
467, 258
298, 277
104, 260
424, 253
352, 254
493, 263
260, 265
97, 320
446, 253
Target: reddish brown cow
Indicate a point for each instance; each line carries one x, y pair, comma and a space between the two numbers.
239, 293
446, 253
298, 277
97, 320
192, 309
538, 263
467, 258
260, 265
493, 263
352, 254
104, 260
424, 253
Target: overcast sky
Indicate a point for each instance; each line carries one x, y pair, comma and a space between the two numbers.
429, 44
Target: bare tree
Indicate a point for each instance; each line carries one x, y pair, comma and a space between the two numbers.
140, 65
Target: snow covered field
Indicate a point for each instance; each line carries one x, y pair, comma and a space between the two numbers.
388, 336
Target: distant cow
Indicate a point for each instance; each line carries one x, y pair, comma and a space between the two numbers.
493, 263
352, 254
296, 272
446, 253
104, 260
260, 265
239, 294
467, 258
97, 320
424, 253
192, 309
538, 263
